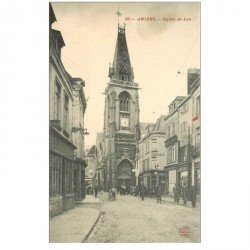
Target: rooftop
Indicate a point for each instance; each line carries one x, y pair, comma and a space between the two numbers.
91, 151
58, 36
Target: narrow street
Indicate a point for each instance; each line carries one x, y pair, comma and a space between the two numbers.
128, 219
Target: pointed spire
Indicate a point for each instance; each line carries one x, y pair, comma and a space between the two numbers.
121, 69
118, 13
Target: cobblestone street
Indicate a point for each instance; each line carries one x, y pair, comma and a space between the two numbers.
128, 219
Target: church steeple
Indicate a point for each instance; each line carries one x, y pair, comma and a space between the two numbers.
121, 69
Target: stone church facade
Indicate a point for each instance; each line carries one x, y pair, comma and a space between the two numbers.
121, 118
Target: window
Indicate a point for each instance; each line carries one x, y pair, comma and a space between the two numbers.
147, 146
66, 113
174, 153
183, 154
57, 107
168, 131
171, 154
183, 129
173, 129
154, 144
124, 101
147, 164
55, 174
198, 106
68, 177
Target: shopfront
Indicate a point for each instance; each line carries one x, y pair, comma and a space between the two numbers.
61, 173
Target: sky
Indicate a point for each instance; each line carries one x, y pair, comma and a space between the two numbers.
158, 51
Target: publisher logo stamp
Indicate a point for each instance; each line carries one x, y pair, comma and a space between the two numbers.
185, 232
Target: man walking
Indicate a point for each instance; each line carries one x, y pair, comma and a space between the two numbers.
142, 193
113, 190
184, 193
175, 192
193, 196
96, 191
159, 194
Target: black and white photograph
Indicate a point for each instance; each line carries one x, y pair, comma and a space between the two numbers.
111, 137
124, 122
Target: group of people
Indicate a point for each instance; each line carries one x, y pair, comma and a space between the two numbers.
157, 192
183, 191
178, 191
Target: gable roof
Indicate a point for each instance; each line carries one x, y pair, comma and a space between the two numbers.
91, 151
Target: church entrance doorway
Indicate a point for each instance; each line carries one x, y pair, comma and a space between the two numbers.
124, 174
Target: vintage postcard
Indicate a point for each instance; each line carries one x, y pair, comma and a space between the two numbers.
124, 122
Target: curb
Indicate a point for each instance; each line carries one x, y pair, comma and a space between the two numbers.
91, 229
176, 203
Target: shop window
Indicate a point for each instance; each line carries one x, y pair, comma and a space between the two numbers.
55, 175
68, 177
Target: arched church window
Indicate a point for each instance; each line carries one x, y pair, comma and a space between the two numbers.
124, 102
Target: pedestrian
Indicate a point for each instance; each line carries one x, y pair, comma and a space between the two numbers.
184, 193
127, 189
175, 192
96, 191
159, 194
193, 196
142, 193
113, 191
110, 195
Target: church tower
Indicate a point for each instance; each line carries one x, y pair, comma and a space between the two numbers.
121, 118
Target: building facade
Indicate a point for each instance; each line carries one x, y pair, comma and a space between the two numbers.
90, 171
151, 158
66, 150
172, 144
194, 81
101, 169
183, 138
79, 107
121, 118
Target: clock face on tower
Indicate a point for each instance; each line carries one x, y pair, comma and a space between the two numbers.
124, 121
